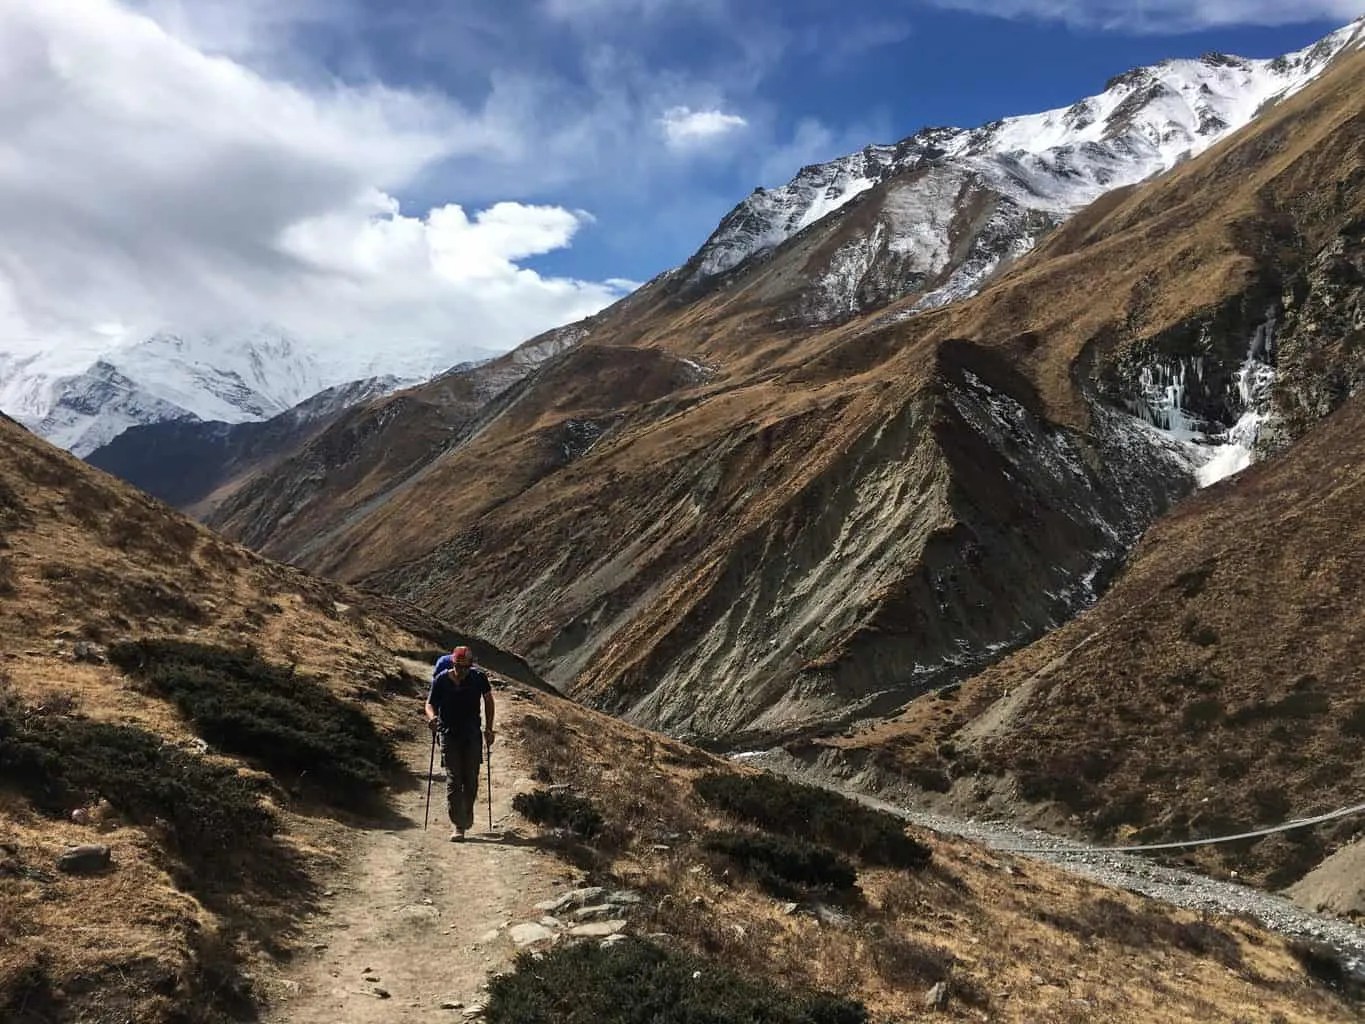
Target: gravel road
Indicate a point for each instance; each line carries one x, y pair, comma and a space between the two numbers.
1132, 872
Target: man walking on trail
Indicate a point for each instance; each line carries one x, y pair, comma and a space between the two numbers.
453, 707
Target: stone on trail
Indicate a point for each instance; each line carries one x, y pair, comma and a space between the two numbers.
574, 898
84, 859
597, 929
452, 1004
489, 936
937, 997
382, 993
530, 933
596, 913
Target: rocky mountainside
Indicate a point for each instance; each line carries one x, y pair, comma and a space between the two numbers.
955, 205
180, 839
193, 465
367, 455
714, 516
1215, 689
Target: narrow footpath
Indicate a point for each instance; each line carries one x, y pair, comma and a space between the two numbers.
414, 925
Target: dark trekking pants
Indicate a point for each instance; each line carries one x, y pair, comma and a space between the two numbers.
463, 754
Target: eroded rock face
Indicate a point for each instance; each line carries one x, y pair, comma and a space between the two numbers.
1322, 343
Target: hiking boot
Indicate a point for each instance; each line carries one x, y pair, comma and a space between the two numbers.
457, 836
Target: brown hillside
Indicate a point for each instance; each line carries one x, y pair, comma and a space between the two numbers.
85, 563
1012, 940
174, 933
822, 522
1217, 687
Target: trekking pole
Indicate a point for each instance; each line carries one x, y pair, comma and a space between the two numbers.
431, 770
489, 750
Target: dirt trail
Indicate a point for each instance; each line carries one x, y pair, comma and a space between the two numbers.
420, 911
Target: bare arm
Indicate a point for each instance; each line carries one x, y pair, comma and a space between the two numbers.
488, 718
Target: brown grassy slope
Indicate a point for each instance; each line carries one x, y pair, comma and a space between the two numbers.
1019, 941
85, 561
1216, 687
708, 513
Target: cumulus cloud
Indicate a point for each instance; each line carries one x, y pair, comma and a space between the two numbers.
685, 128
147, 184
1164, 15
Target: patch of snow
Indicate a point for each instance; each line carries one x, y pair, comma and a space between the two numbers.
1213, 452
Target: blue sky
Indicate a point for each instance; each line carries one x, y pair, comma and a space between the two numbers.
406, 183
811, 80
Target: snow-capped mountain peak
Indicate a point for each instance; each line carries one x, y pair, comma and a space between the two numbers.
1145, 122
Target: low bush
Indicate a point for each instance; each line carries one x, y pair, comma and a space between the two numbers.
790, 808
559, 809
782, 865
1326, 965
1354, 722
637, 982
1109, 919
290, 724
905, 963
59, 763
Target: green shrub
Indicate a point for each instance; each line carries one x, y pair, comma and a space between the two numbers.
290, 724
59, 763
782, 865
636, 982
778, 805
559, 809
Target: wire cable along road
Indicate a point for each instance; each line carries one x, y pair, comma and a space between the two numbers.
1288, 826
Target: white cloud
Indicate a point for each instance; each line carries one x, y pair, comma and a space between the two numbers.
147, 184
685, 128
1164, 15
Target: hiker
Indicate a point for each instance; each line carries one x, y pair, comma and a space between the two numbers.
453, 707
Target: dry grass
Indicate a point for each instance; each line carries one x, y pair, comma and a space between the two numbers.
161, 937
1015, 941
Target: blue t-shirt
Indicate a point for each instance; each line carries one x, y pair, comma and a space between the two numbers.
457, 701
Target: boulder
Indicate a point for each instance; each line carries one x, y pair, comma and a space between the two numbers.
574, 898
937, 997
529, 934
84, 860
597, 929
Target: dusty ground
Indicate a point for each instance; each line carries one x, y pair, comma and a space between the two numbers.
425, 917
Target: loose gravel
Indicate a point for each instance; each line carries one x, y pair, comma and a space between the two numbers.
1131, 872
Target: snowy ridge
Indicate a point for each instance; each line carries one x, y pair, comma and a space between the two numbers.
1051, 164
229, 378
